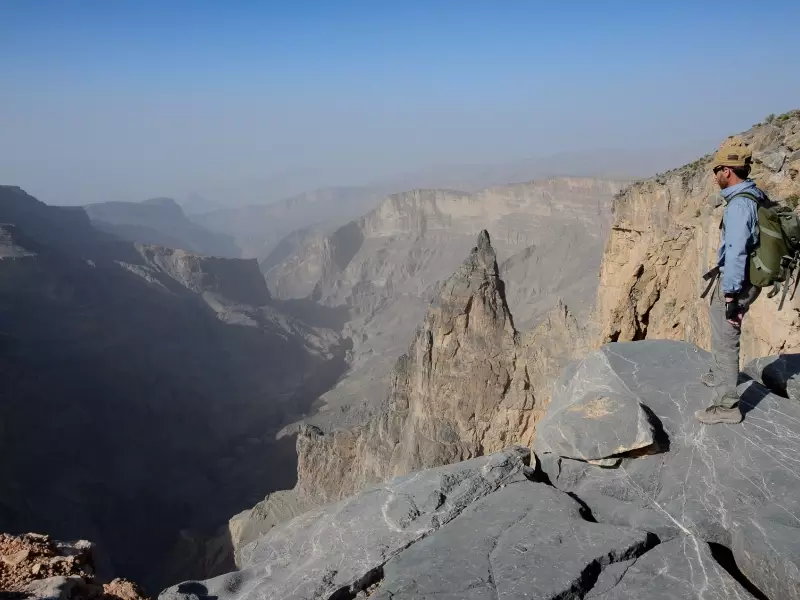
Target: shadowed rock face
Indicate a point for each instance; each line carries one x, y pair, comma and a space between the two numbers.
160, 221
142, 389
14, 243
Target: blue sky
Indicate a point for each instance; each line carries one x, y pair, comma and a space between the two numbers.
122, 99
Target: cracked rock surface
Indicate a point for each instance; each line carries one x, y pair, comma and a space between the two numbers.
734, 485
338, 546
680, 568
697, 512
526, 540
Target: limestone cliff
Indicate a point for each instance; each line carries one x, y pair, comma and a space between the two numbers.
238, 280
384, 269
461, 390
665, 236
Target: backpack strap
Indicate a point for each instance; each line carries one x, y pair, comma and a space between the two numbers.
761, 228
752, 197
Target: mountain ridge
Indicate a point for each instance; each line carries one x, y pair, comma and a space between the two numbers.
160, 375
159, 221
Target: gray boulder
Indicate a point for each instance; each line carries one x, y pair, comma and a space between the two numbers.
594, 417
340, 546
681, 568
52, 588
772, 159
525, 541
715, 484
779, 373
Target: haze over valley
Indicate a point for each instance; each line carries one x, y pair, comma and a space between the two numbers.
325, 301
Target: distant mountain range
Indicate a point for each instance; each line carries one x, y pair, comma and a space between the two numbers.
160, 221
259, 228
196, 204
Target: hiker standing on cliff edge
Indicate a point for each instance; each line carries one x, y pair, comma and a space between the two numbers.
733, 293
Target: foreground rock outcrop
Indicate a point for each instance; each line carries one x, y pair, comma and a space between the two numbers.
733, 486
34, 566
342, 546
672, 509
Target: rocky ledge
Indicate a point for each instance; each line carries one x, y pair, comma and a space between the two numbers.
627, 496
33, 566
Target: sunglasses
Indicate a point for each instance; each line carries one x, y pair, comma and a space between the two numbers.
718, 169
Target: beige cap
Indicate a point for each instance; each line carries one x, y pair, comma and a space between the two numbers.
732, 153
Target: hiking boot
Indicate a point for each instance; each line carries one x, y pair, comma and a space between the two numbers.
715, 414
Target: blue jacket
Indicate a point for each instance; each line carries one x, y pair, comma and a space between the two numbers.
739, 235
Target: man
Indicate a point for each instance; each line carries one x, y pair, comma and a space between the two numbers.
733, 294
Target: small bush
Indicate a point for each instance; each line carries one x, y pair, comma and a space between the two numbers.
770, 118
793, 200
787, 115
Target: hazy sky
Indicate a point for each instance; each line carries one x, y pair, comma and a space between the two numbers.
114, 99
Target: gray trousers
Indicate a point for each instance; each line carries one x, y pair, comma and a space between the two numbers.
725, 345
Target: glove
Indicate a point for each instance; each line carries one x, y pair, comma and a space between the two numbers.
733, 312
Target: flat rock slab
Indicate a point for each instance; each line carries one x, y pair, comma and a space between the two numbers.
682, 568
527, 540
51, 588
770, 548
593, 415
708, 481
339, 546
780, 374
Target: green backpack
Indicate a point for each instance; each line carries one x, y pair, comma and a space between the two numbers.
775, 257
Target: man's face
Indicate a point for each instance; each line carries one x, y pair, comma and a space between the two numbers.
723, 176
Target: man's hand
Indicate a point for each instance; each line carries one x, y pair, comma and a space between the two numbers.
733, 312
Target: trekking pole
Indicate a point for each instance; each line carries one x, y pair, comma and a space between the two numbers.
710, 277
796, 274
791, 267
